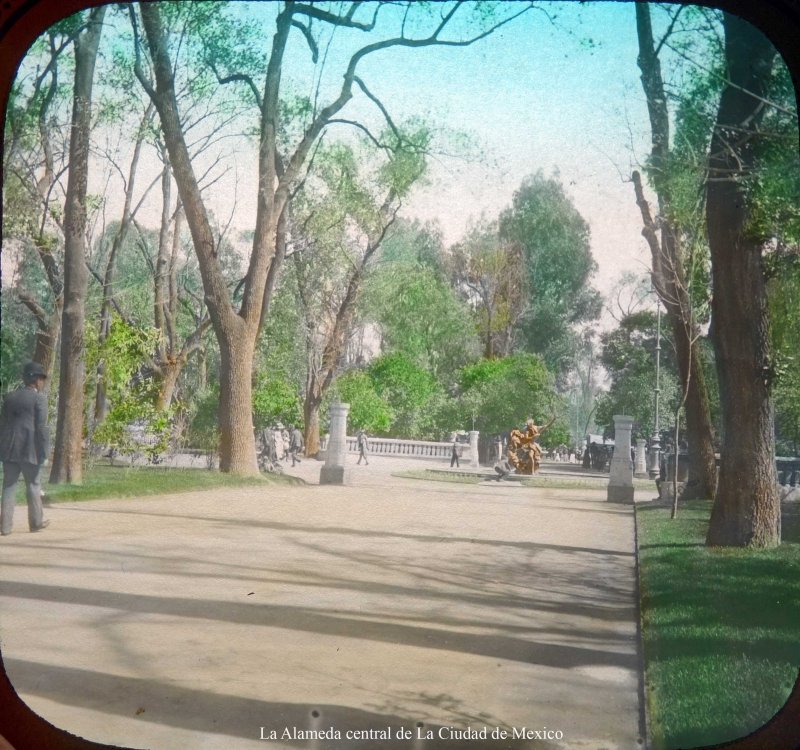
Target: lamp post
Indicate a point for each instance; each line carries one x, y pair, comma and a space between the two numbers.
655, 443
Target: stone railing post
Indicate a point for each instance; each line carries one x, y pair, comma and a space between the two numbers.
333, 471
473, 447
620, 483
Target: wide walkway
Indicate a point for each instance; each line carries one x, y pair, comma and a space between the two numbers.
213, 619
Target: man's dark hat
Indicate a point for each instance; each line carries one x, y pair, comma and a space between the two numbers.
33, 370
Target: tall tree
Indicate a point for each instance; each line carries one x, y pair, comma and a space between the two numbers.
746, 509
34, 162
491, 275
669, 274
558, 262
279, 170
107, 280
347, 222
67, 455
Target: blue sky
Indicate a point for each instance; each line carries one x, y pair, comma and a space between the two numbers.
561, 96
556, 91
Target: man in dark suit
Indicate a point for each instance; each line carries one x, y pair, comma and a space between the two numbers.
24, 446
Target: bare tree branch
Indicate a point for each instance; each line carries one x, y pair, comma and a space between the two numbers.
309, 38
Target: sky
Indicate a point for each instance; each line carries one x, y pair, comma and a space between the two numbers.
555, 90
558, 93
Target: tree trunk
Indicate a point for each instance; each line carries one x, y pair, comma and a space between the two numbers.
235, 332
237, 450
47, 338
702, 471
67, 456
669, 276
746, 509
169, 380
311, 423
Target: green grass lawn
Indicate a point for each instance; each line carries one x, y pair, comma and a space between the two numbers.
545, 482
721, 628
102, 480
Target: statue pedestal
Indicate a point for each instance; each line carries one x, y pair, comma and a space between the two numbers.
334, 472
333, 475
620, 483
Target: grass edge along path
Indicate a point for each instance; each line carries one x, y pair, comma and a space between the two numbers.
550, 481
103, 481
720, 628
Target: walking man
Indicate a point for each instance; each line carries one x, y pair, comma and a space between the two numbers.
363, 447
296, 445
454, 455
24, 447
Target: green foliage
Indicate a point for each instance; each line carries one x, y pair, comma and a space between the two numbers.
203, 432
133, 424
496, 395
489, 272
418, 314
412, 393
412, 243
407, 163
554, 239
629, 356
774, 186
275, 400
368, 410
784, 301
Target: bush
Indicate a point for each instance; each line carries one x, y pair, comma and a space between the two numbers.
275, 399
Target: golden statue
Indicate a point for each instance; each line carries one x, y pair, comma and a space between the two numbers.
524, 453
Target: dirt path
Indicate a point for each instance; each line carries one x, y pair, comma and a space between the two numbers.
211, 620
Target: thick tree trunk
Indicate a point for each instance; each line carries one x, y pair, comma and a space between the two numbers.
747, 508
235, 332
67, 456
237, 449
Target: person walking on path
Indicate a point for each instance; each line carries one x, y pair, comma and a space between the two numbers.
454, 455
296, 445
363, 447
24, 447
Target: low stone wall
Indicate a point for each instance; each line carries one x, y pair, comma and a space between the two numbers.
422, 449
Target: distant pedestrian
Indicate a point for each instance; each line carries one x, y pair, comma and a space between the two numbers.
363, 446
503, 469
277, 443
24, 447
454, 455
285, 443
296, 444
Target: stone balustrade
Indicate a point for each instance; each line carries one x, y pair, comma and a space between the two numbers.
788, 471
412, 449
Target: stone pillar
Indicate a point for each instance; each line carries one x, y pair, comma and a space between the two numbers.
473, 447
333, 471
641, 459
620, 483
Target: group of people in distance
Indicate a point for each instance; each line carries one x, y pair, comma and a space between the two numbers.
279, 443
